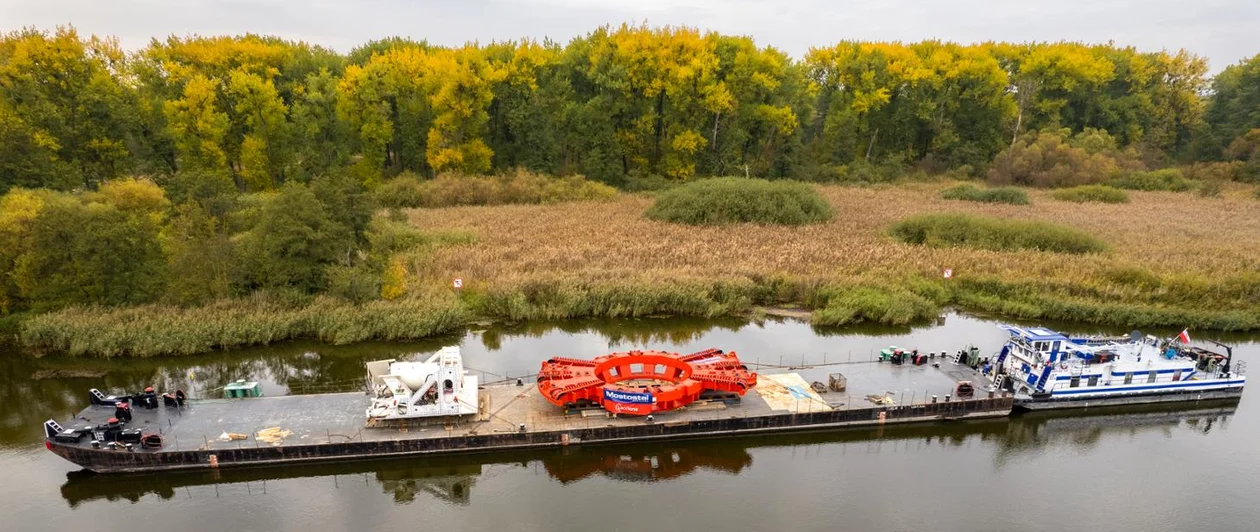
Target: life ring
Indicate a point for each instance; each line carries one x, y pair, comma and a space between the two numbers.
1063, 365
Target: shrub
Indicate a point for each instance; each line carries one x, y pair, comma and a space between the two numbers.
1215, 171
403, 192
1099, 193
354, 284
1245, 150
740, 200
1050, 159
1169, 179
981, 232
878, 304
1010, 195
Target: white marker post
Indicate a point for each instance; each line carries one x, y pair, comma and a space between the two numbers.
457, 283
948, 273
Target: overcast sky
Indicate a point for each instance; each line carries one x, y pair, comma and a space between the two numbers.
1224, 31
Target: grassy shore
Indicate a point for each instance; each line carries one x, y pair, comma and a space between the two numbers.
1171, 259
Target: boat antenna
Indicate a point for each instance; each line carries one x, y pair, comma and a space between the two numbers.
1229, 356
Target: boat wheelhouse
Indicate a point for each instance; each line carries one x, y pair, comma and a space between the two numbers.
1047, 369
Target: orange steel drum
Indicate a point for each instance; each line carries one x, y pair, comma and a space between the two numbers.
665, 380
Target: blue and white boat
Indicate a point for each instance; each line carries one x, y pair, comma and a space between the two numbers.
1048, 370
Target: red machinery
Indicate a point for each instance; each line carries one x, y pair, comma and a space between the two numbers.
642, 382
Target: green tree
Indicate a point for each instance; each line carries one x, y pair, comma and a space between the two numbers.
349, 208
527, 116
63, 106
290, 243
323, 141
1233, 108
18, 209
265, 147
199, 256
90, 253
29, 158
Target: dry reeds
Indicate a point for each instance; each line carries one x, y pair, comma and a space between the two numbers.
1190, 251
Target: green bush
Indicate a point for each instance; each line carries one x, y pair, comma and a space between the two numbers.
981, 232
738, 200
403, 192
357, 285
1098, 193
966, 192
1169, 179
876, 304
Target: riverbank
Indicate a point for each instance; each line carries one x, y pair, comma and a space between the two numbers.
1173, 260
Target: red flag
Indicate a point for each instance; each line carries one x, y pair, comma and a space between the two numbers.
1184, 337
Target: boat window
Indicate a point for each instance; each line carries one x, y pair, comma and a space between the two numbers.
1128, 378
1093, 380
1152, 376
636, 368
1177, 375
1075, 382
447, 385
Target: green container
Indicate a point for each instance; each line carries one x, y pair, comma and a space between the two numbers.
241, 389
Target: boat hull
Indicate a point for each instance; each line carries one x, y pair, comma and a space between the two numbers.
111, 461
1153, 397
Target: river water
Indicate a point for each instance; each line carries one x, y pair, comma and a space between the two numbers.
1134, 469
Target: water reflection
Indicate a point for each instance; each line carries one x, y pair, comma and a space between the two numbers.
1084, 430
630, 331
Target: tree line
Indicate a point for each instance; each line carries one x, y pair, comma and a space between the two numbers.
617, 104
201, 168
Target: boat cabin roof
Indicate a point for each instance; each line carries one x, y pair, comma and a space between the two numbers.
1034, 334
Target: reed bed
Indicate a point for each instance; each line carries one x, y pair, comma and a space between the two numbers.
152, 330
1171, 259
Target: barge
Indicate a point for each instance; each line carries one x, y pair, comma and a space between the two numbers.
411, 409
1047, 370
454, 478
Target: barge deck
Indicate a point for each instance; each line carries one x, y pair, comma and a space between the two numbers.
330, 427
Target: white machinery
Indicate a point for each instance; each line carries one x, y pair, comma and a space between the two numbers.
433, 388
